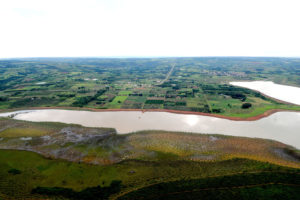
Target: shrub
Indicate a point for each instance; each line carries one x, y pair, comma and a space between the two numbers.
14, 171
3, 98
246, 105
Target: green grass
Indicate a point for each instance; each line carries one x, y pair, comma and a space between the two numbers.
137, 99
67, 102
125, 93
195, 102
22, 132
117, 101
260, 110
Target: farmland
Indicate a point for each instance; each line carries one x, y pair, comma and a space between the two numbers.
188, 84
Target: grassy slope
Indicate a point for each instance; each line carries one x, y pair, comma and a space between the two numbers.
38, 171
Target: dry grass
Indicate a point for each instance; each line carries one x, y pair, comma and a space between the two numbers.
22, 132
211, 147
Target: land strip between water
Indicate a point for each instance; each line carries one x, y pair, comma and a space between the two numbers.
252, 118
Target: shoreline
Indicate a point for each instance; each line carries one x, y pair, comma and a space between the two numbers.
253, 118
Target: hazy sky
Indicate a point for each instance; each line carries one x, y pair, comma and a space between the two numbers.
42, 28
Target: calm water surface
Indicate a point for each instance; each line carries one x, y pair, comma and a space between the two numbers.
282, 92
281, 126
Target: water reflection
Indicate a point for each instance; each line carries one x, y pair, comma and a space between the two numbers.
191, 120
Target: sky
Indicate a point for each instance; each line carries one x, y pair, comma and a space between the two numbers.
145, 28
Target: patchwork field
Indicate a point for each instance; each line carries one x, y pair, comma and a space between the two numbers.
189, 84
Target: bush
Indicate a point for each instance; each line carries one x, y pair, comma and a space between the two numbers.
3, 98
217, 110
14, 171
246, 105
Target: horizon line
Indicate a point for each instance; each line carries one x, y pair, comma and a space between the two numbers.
44, 57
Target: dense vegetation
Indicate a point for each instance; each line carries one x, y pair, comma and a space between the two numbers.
191, 84
94, 193
263, 185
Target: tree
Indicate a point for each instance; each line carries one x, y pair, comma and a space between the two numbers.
246, 105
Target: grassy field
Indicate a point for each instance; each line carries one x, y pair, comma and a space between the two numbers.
117, 102
260, 110
22, 132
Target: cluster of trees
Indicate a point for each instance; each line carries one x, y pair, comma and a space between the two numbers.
204, 109
180, 103
233, 92
236, 95
136, 94
154, 101
34, 102
90, 193
66, 95
81, 101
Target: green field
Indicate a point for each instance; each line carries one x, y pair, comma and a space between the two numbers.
117, 102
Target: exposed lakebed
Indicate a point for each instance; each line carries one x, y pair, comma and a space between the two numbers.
280, 126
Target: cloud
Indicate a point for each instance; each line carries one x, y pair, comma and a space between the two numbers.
149, 28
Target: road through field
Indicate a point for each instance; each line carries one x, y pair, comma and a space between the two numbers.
168, 75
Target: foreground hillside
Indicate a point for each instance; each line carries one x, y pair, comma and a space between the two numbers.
26, 175
92, 163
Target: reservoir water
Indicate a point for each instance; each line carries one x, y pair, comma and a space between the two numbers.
285, 93
281, 126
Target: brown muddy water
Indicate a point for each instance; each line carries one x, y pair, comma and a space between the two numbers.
281, 126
